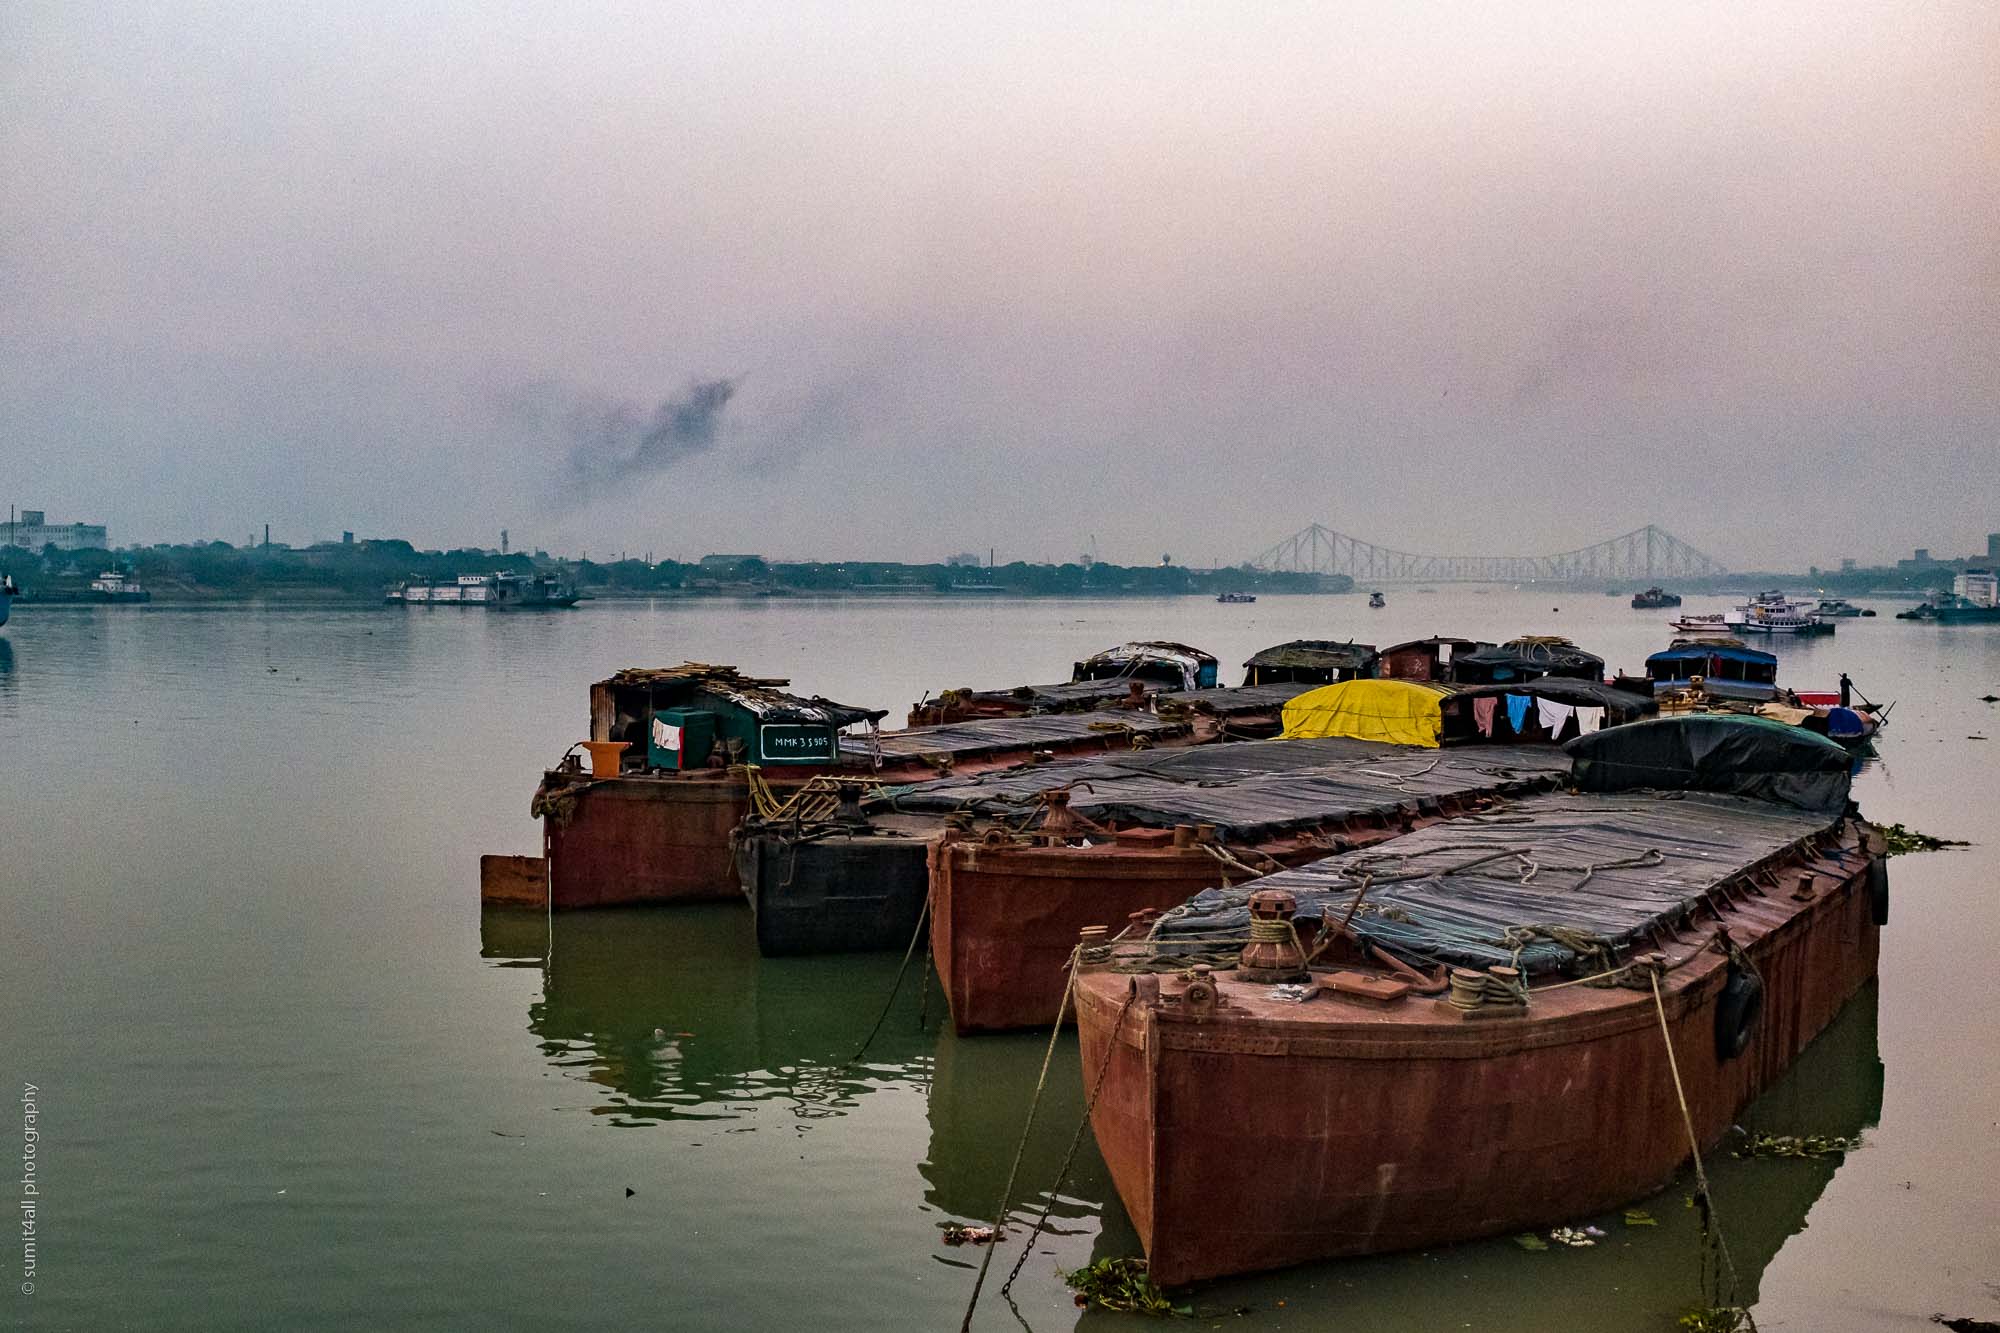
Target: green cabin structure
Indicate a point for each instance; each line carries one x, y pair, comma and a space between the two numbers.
697, 716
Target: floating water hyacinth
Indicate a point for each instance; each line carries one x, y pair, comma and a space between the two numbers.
1798, 1145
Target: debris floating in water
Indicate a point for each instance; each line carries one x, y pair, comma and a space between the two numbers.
1902, 840
1798, 1145
1121, 1284
1716, 1319
956, 1234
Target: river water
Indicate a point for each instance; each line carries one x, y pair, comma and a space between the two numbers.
288, 1076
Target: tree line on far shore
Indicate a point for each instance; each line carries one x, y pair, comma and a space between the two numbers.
368, 568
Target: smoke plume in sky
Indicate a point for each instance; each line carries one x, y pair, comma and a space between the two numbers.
1448, 277
618, 446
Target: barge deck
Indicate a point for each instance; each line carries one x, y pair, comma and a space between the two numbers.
1342, 1099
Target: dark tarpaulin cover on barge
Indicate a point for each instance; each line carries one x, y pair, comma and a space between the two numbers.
1725, 752
1471, 893
1068, 694
1249, 789
1235, 700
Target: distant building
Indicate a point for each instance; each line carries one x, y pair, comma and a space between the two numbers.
964, 558
1978, 586
1993, 547
1847, 564
725, 564
33, 531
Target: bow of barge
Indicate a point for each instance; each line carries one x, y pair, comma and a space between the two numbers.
1254, 1119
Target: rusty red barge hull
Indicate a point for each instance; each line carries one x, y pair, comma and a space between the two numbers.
665, 838
1004, 917
1259, 1134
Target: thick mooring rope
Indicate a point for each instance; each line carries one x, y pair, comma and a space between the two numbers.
1075, 1140
922, 916
1694, 1148
1021, 1148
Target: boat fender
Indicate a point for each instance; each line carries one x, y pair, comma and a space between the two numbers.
1878, 890
1737, 1010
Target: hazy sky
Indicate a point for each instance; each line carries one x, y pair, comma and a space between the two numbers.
897, 280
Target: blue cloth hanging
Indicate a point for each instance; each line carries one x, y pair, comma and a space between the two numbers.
1517, 711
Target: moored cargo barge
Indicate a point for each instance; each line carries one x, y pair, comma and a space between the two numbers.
1144, 832
856, 879
680, 756
1303, 1101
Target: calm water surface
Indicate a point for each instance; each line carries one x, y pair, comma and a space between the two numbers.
291, 1078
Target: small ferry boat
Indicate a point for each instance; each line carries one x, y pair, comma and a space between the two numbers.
1701, 624
1358, 1055
1236, 598
1839, 608
495, 592
115, 585
1376, 599
1774, 613
1653, 599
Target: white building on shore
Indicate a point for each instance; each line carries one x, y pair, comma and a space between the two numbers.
31, 530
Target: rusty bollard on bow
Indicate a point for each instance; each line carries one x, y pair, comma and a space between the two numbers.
1273, 954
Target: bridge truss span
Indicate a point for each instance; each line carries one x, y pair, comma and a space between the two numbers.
1650, 553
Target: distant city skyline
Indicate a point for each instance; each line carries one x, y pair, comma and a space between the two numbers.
1987, 549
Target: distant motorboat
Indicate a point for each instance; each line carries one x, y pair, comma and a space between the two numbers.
1653, 599
1838, 608
1774, 613
1236, 598
1376, 599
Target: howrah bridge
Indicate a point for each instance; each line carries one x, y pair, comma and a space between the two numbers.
1651, 553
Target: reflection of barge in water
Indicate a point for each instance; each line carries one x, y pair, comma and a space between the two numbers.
1251, 1127
673, 1016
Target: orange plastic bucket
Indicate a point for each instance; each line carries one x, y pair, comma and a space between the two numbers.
604, 756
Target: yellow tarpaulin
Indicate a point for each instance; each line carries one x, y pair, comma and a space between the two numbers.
1401, 712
